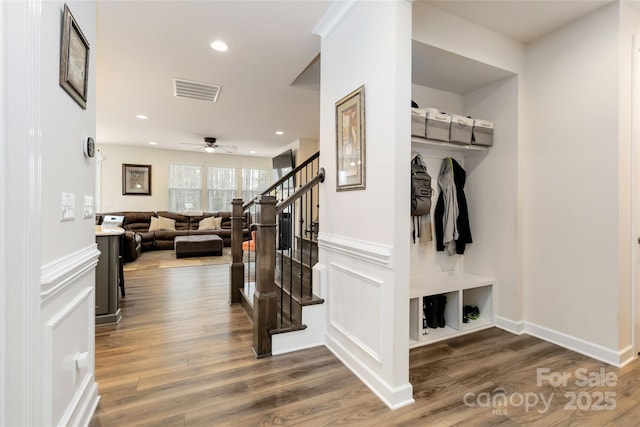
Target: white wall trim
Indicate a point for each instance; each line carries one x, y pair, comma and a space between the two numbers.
21, 212
616, 358
58, 274
332, 17
4, 321
393, 397
515, 327
365, 348
635, 186
86, 404
369, 252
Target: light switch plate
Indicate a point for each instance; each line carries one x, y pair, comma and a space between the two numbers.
88, 207
67, 205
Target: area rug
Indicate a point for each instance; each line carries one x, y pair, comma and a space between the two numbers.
167, 259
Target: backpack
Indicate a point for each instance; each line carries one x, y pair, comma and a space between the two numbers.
420, 192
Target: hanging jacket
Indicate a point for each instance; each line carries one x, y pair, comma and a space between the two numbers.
451, 214
446, 209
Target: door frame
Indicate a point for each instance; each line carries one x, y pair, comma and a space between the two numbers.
635, 196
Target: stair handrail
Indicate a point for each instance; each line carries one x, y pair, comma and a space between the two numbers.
300, 191
282, 180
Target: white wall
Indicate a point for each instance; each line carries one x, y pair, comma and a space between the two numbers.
363, 239
64, 166
492, 195
576, 189
114, 156
444, 101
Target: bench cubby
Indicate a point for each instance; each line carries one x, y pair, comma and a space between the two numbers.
460, 289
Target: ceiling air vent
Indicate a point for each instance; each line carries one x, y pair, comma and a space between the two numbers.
196, 90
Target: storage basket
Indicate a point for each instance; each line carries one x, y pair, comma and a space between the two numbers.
418, 122
482, 133
438, 125
461, 129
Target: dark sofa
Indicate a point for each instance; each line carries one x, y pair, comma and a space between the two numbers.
138, 238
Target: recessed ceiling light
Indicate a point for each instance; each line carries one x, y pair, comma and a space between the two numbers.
252, 151
219, 45
279, 132
142, 116
153, 143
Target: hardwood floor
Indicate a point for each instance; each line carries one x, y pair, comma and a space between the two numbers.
182, 356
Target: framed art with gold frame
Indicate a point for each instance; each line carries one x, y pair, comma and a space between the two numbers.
350, 142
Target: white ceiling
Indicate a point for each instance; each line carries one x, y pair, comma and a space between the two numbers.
143, 45
522, 20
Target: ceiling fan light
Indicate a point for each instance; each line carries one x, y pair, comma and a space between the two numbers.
219, 45
209, 149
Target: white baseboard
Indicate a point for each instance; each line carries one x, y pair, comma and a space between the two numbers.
393, 397
515, 327
616, 358
595, 351
82, 409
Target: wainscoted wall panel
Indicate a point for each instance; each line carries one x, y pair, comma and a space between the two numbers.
355, 308
69, 390
67, 342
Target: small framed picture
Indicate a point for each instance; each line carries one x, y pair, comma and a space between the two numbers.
74, 59
136, 180
350, 143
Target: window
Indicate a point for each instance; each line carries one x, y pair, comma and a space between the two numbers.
221, 188
254, 182
185, 188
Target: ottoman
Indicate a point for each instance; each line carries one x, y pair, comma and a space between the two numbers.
198, 245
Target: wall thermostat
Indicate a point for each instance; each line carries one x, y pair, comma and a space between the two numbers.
89, 147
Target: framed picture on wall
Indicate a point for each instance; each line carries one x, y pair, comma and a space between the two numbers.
136, 180
350, 142
74, 59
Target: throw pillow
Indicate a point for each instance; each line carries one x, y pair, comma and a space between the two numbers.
217, 222
166, 223
210, 223
154, 225
207, 224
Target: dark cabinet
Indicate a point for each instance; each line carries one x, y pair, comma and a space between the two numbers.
108, 277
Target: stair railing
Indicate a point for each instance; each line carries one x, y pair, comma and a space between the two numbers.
253, 271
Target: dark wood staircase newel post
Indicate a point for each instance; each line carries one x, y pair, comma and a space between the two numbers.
265, 298
236, 273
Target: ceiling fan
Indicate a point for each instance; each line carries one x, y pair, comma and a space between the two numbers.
209, 145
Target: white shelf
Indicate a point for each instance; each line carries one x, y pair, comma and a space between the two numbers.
460, 289
473, 325
434, 335
445, 282
447, 146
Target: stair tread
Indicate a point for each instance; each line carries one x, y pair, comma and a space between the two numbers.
304, 301
290, 328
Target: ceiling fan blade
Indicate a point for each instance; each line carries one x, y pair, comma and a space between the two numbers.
227, 148
191, 143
